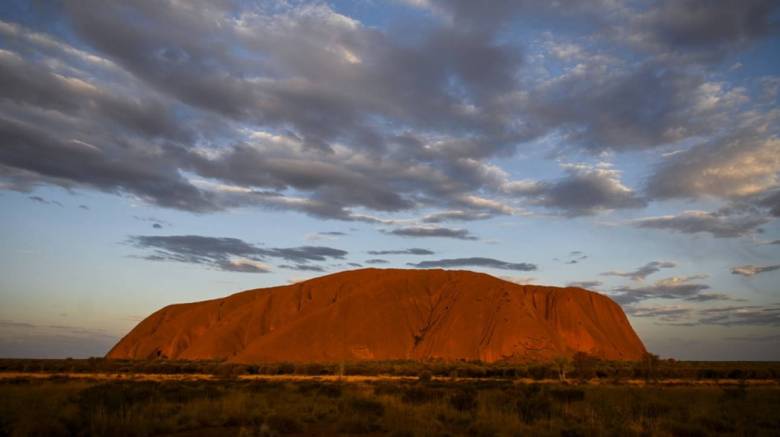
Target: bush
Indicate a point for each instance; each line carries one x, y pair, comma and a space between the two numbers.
419, 395
567, 395
283, 424
533, 404
464, 400
366, 407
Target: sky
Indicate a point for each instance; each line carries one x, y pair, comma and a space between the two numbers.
163, 151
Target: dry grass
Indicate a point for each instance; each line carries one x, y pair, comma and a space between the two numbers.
378, 406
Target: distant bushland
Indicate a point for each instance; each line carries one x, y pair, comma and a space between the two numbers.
580, 369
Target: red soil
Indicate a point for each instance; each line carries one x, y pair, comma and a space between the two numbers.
381, 314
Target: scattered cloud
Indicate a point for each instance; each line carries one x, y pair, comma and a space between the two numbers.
456, 216
671, 314
410, 251
520, 280
432, 231
475, 262
229, 254
302, 267
585, 284
586, 190
41, 200
675, 287
719, 225
376, 261
751, 270
768, 315
644, 271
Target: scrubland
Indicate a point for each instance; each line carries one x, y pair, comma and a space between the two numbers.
486, 400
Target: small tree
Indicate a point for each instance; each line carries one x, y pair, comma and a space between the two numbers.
651, 367
584, 365
562, 364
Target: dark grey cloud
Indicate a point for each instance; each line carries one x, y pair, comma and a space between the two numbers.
333, 233
718, 224
156, 223
302, 267
671, 314
229, 254
756, 338
456, 216
66, 161
751, 270
771, 201
410, 251
585, 284
712, 297
669, 288
41, 200
746, 315
314, 112
376, 261
432, 231
585, 190
705, 30
768, 315
475, 262
644, 271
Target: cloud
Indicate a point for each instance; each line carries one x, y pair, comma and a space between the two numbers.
675, 287
672, 314
768, 315
410, 251
456, 216
228, 254
718, 224
747, 315
432, 231
756, 338
585, 284
32, 340
475, 262
315, 112
741, 164
586, 190
328, 235
644, 271
751, 270
376, 261
43, 201
302, 267
156, 223
704, 30
520, 280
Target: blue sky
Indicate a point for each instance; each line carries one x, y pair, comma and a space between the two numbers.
160, 152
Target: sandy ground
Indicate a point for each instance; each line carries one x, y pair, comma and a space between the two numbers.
360, 378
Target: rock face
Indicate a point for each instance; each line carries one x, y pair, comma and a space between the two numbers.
380, 314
